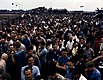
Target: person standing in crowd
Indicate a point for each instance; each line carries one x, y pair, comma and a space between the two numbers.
52, 58
89, 52
98, 61
70, 43
5, 76
80, 65
77, 75
70, 70
31, 52
11, 65
35, 70
91, 72
42, 54
28, 73
19, 57
26, 41
4, 45
61, 62
2, 64
81, 46
53, 54
57, 76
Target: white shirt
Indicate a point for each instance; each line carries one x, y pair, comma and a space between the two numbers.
69, 45
2, 65
82, 77
10, 42
101, 46
35, 72
76, 38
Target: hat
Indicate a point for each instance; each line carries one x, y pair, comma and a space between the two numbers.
89, 64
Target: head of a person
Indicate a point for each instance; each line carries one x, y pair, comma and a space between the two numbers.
60, 43
25, 36
28, 73
70, 38
17, 44
82, 40
83, 58
64, 52
55, 47
3, 41
30, 60
70, 64
75, 45
90, 66
8, 38
4, 56
88, 45
11, 47
30, 50
5, 76
42, 44
76, 74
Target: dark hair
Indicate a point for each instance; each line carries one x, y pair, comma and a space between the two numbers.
29, 56
42, 43
83, 56
27, 68
17, 44
76, 71
89, 64
30, 47
5, 76
64, 49
71, 60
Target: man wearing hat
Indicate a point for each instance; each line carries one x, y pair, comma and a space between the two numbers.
91, 72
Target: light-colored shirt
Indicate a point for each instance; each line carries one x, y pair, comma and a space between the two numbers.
35, 72
82, 77
2, 65
69, 45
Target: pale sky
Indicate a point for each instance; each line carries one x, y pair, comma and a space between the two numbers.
57, 4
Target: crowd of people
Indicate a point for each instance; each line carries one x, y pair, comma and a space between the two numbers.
52, 47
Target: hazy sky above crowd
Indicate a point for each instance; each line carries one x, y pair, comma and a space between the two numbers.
59, 4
